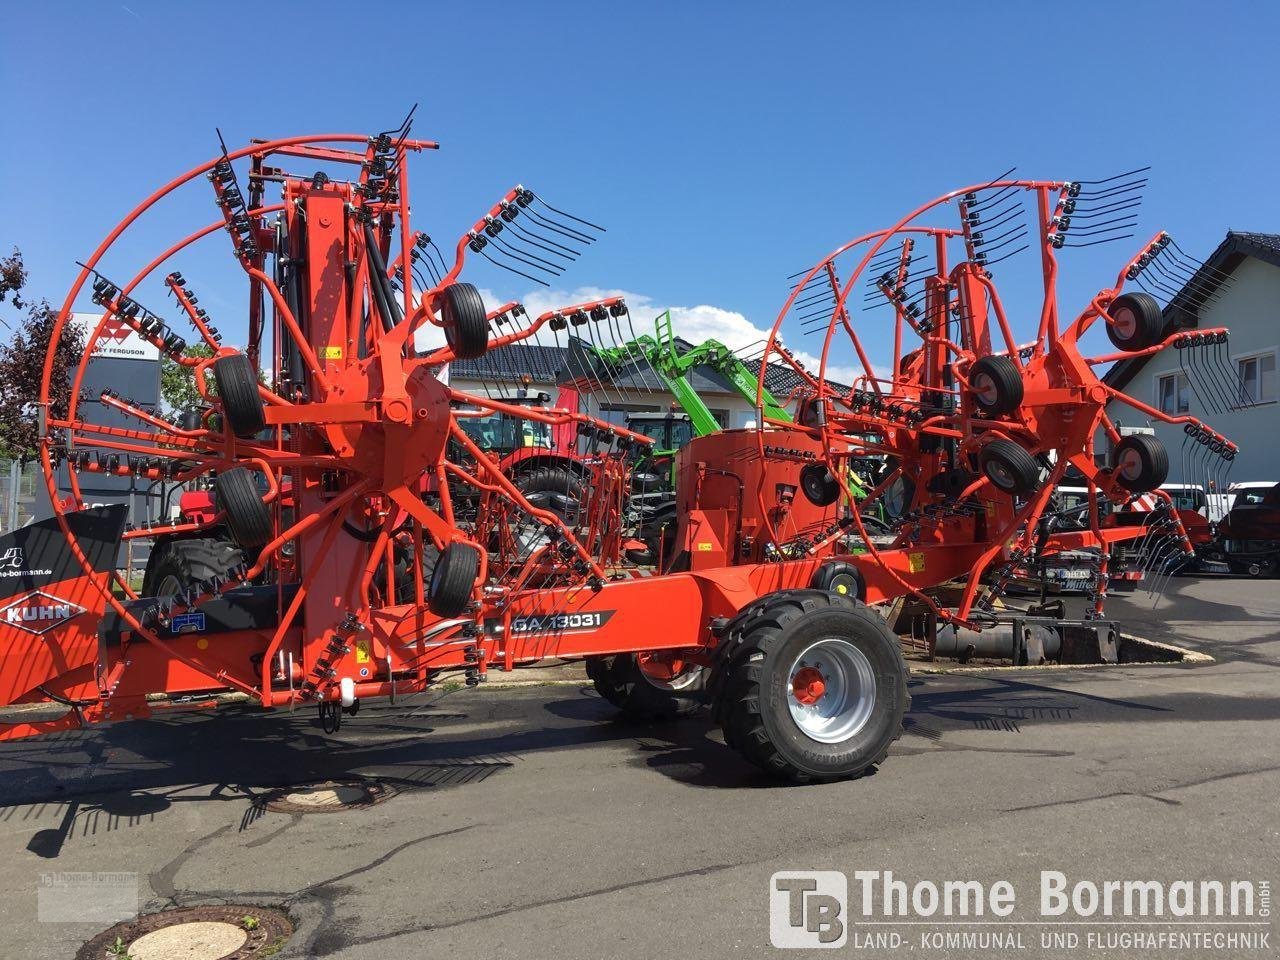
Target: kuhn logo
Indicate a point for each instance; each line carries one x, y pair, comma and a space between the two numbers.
38, 612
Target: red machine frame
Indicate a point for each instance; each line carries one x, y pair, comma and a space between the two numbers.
364, 432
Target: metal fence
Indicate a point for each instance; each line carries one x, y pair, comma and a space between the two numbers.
19, 494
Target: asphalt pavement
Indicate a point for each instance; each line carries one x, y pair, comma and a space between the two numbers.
529, 822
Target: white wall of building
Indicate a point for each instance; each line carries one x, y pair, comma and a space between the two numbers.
1250, 307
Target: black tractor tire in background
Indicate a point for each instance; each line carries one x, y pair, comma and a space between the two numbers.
1139, 321
246, 516
452, 580
1009, 467
751, 684
557, 490
1140, 462
620, 681
997, 385
544, 486
238, 389
176, 565
466, 325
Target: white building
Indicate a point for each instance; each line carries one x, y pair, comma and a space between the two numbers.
1240, 290
502, 372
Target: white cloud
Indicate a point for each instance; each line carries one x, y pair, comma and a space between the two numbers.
695, 324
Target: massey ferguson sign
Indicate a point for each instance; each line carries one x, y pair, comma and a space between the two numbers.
116, 339
39, 612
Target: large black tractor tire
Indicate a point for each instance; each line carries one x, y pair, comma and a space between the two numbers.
177, 565
246, 515
452, 580
1140, 462
557, 490
997, 385
1009, 467
640, 697
1139, 321
466, 325
810, 686
238, 389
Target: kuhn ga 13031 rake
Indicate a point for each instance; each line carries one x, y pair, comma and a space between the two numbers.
358, 542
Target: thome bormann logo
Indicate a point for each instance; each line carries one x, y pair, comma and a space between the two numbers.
13, 563
38, 612
812, 909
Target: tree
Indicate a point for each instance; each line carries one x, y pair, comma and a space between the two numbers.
13, 277
22, 365
178, 383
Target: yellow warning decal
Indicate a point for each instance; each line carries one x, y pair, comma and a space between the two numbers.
916, 562
363, 650
705, 547
331, 353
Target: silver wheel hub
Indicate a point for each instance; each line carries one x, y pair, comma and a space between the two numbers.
831, 690
687, 677
169, 587
985, 388
1125, 322
1000, 475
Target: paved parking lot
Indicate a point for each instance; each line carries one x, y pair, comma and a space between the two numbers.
528, 823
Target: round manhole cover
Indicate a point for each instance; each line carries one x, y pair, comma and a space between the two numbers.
330, 796
194, 933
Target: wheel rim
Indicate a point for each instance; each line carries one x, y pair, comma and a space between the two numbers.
1000, 475
170, 586
529, 536
1125, 322
844, 585
831, 690
1130, 465
667, 673
985, 389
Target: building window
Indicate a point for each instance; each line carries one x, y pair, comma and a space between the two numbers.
617, 413
1173, 394
1257, 378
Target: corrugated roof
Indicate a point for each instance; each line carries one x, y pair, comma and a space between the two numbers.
510, 364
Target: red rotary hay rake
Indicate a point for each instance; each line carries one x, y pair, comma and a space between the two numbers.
376, 547
979, 428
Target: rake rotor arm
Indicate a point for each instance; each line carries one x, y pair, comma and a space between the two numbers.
1173, 340
550, 416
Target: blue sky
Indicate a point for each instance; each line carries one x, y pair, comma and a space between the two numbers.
724, 145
